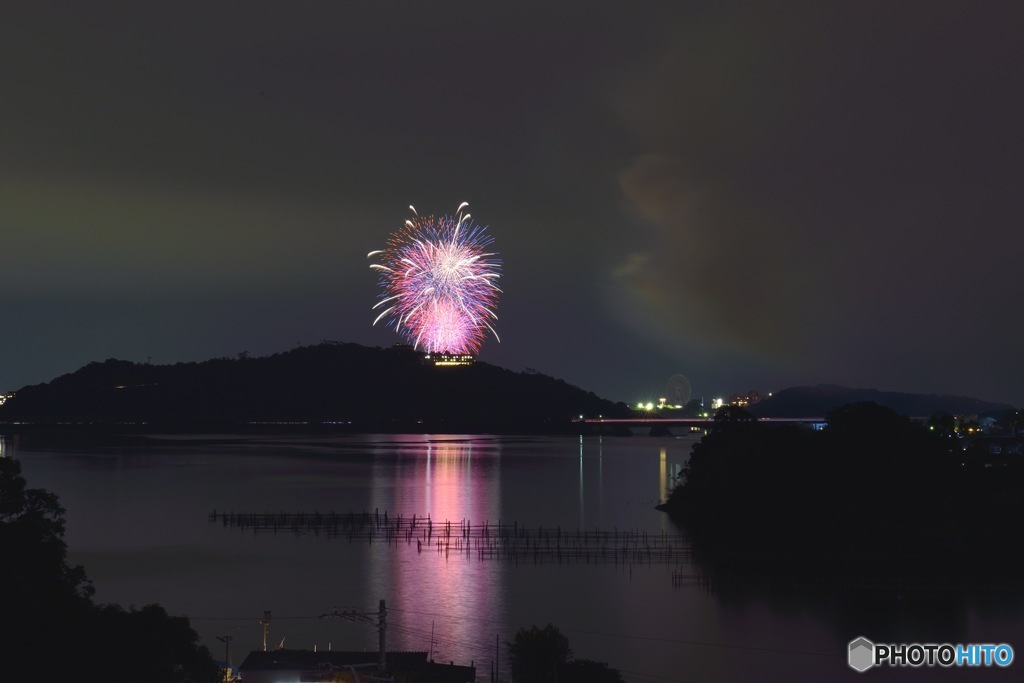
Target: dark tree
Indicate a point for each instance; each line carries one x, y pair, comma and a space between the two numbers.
45, 600
1010, 422
588, 671
151, 646
943, 424
542, 655
732, 415
536, 654
49, 618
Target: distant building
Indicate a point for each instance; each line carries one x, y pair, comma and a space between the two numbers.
4, 397
448, 359
744, 400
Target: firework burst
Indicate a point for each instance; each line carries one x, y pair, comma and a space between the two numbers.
440, 283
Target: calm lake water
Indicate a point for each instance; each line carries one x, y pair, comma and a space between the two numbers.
138, 519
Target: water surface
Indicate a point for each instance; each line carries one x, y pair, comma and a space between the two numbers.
138, 519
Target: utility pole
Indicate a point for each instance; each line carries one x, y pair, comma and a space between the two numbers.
365, 617
227, 652
382, 626
266, 627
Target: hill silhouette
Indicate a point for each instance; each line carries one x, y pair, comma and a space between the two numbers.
818, 400
872, 495
347, 385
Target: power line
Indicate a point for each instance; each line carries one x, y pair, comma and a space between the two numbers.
442, 614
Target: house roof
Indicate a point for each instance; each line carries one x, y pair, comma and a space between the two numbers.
308, 660
292, 660
447, 673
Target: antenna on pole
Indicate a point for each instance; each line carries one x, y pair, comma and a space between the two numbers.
266, 627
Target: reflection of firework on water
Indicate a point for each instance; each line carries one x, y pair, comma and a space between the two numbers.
440, 283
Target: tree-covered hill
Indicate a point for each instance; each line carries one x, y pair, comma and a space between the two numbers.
818, 400
874, 493
350, 385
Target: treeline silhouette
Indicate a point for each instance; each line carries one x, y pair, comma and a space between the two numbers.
872, 495
363, 388
543, 655
52, 630
815, 401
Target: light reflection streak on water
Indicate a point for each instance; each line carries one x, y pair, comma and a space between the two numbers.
600, 484
662, 473
662, 478
583, 517
450, 593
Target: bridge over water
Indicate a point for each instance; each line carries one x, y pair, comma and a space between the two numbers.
699, 423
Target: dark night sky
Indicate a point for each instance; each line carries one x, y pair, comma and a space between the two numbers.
756, 195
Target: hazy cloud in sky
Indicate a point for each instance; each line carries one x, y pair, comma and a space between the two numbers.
754, 194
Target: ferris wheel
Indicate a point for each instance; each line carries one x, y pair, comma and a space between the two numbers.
677, 391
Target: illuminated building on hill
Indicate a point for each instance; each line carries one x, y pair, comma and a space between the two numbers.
449, 359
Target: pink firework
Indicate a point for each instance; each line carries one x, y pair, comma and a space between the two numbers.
440, 283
